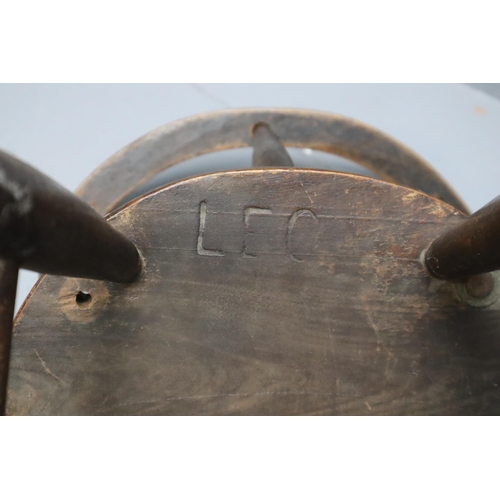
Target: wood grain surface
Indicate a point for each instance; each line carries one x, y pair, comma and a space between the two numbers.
264, 292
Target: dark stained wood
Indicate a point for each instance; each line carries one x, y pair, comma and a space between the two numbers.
46, 228
8, 286
267, 148
267, 292
469, 249
175, 142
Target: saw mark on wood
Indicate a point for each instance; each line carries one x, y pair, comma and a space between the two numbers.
229, 395
47, 369
391, 360
320, 216
305, 190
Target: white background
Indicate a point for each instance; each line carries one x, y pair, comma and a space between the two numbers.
67, 131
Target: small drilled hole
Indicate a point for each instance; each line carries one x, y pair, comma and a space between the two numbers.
83, 298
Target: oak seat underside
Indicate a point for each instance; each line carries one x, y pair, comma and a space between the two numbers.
279, 291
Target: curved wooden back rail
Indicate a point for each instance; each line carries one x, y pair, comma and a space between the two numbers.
200, 134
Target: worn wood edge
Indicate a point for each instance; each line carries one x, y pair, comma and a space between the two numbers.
111, 215
88, 187
20, 311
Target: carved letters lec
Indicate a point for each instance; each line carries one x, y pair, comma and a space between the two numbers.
201, 231
291, 224
247, 214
